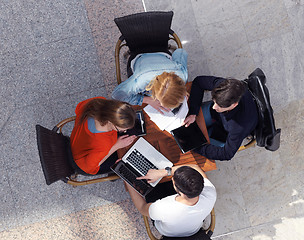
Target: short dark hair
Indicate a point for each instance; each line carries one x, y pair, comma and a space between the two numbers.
228, 92
188, 181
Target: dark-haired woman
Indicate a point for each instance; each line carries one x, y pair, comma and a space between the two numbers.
94, 139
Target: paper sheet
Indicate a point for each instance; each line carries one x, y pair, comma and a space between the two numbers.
168, 121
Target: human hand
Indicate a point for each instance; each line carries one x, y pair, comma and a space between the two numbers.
153, 175
118, 160
124, 141
190, 119
156, 104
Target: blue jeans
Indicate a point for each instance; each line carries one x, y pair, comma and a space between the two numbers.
209, 121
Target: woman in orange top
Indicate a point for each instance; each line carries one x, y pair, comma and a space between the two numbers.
94, 139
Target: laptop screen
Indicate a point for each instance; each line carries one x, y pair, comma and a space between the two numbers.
139, 128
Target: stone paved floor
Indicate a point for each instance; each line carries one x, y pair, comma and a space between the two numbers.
55, 53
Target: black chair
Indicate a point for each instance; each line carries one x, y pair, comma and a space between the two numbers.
57, 160
144, 32
265, 134
202, 234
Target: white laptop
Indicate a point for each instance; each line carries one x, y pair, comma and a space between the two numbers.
148, 151
141, 157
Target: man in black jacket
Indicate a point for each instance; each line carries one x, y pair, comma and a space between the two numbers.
230, 117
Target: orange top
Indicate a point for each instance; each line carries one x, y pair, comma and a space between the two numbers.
89, 148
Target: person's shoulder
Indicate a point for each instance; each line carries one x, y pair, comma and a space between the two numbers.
164, 201
208, 183
209, 188
209, 191
248, 104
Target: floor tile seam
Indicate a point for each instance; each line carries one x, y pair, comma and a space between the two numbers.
242, 196
27, 162
87, 15
113, 39
93, 37
246, 34
104, 28
100, 64
8, 119
283, 173
248, 228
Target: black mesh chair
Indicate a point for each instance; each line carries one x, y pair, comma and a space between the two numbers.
57, 160
266, 134
144, 32
202, 234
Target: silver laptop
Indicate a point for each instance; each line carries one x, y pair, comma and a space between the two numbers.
141, 157
144, 148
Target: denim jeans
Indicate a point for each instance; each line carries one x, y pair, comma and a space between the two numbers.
209, 123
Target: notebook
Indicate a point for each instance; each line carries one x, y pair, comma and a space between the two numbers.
189, 138
139, 128
141, 157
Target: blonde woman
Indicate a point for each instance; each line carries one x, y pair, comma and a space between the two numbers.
158, 79
94, 139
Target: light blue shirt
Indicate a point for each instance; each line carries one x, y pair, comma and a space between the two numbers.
91, 126
146, 68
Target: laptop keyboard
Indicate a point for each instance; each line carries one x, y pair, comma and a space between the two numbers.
140, 162
130, 176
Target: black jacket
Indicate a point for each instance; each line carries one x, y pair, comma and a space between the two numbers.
239, 122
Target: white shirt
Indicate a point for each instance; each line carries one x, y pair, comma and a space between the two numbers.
175, 219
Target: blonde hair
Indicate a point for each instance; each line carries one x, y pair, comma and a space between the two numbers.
169, 89
119, 113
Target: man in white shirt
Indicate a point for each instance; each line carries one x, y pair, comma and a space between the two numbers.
181, 214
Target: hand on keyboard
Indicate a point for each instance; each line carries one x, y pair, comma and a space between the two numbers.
153, 175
